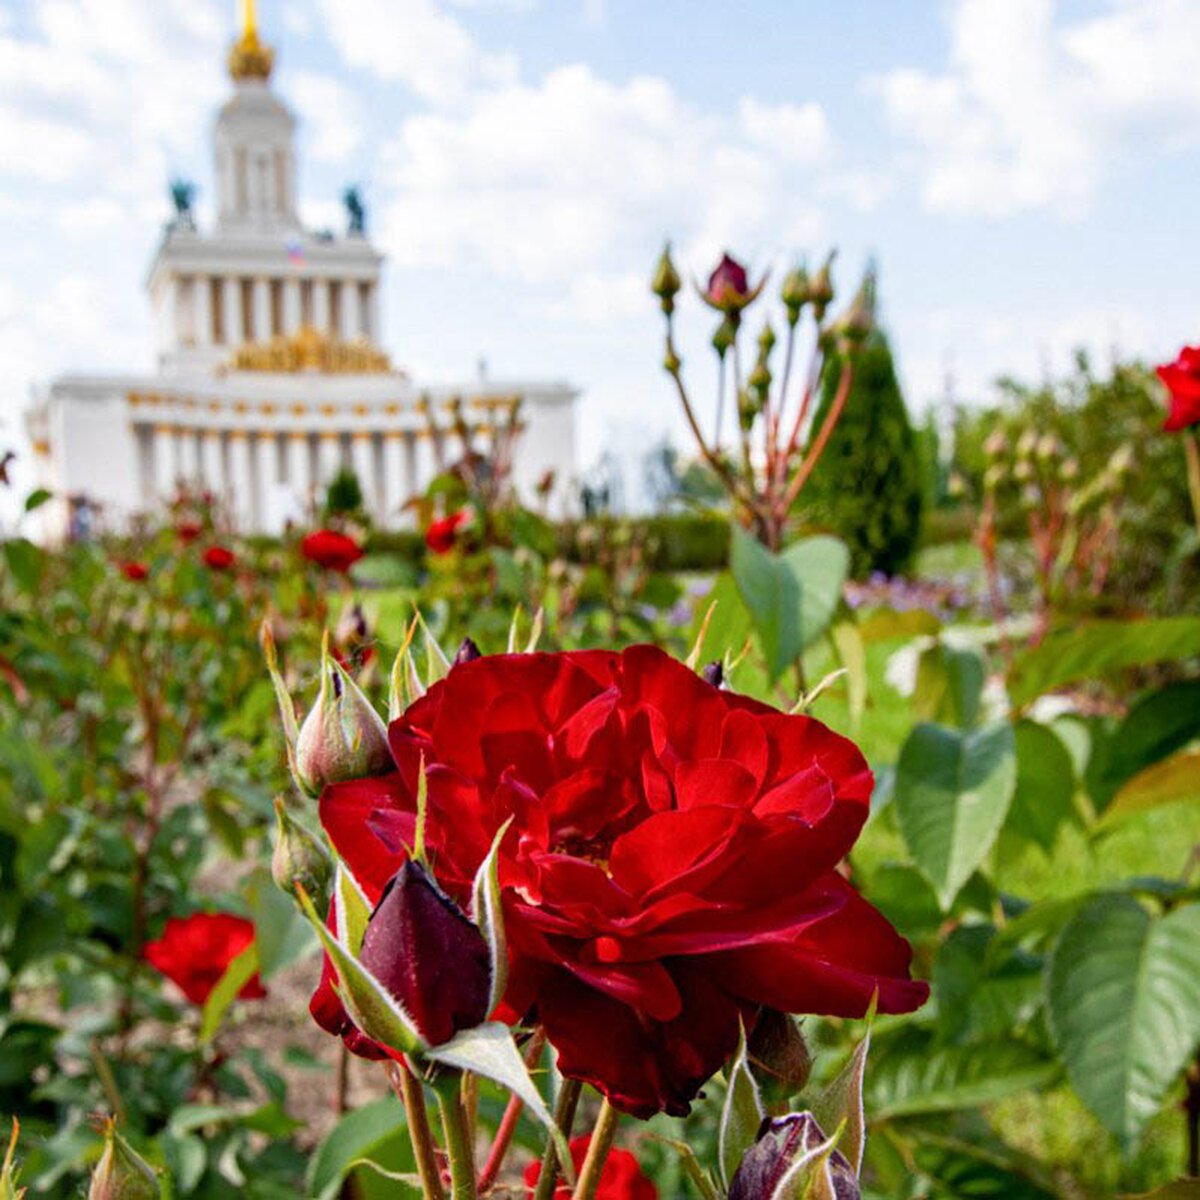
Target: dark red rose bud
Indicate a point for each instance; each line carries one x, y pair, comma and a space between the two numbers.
781, 1141
420, 946
728, 284
467, 652
714, 673
779, 1056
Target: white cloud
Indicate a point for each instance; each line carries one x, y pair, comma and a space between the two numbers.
331, 116
416, 43
574, 180
1031, 111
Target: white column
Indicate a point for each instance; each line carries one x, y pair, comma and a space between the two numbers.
262, 310
372, 329
241, 479
202, 300
349, 325
320, 313
233, 310
145, 456
329, 459
163, 468
379, 489
395, 491
291, 305
172, 330
258, 468
178, 456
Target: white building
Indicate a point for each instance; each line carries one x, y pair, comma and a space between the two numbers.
269, 372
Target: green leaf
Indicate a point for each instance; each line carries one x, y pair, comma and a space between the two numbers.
239, 972
1097, 648
489, 1050
281, 932
949, 685
981, 1169
1175, 781
791, 596
952, 794
912, 1077
358, 1135
852, 654
1156, 727
1181, 1189
25, 562
727, 629
741, 1114
840, 1105
37, 498
1045, 789
369, 1004
1123, 995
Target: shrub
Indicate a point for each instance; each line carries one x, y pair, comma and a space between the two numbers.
868, 486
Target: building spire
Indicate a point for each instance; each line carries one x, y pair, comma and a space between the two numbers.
249, 58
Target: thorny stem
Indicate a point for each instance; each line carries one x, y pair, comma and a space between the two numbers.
1192, 452
720, 401
597, 1152
512, 1115
564, 1118
813, 454
408, 1087
773, 415
460, 1148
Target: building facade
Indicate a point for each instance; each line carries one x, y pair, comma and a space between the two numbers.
270, 376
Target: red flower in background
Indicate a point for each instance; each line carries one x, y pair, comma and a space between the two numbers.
1182, 380
442, 534
136, 571
670, 868
195, 951
621, 1179
331, 550
219, 558
188, 531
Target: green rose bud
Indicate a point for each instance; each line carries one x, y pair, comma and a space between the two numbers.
666, 282
795, 293
820, 289
300, 858
122, 1173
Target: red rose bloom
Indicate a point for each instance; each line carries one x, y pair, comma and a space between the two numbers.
669, 869
136, 571
218, 558
332, 550
442, 534
188, 531
621, 1179
1182, 380
195, 951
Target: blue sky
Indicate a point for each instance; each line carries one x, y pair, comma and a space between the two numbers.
1025, 173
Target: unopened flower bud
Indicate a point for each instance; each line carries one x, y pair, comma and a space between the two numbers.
300, 858
422, 948
856, 323
467, 652
1048, 447
722, 339
781, 1141
1026, 444
666, 282
1069, 471
1023, 470
748, 409
122, 1173
820, 289
766, 342
343, 737
794, 293
760, 379
995, 444
780, 1056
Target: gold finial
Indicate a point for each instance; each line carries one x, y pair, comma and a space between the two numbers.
249, 58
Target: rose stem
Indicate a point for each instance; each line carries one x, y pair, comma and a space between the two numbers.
597, 1152
1192, 452
408, 1088
813, 455
564, 1118
459, 1147
512, 1115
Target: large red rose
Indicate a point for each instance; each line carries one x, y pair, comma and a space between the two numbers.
195, 951
219, 558
1182, 379
621, 1179
332, 550
670, 867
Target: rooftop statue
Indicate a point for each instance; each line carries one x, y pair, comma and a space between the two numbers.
356, 213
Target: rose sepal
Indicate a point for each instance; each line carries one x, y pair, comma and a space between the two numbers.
488, 914
741, 1114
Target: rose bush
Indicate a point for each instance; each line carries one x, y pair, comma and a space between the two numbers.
669, 870
332, 550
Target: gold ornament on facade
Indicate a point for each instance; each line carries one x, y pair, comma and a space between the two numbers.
250, 58
309, 349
